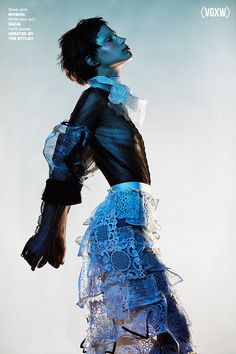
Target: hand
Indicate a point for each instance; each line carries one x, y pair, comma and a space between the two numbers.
48, 243
36, 250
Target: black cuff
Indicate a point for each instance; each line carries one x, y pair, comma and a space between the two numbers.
62, 192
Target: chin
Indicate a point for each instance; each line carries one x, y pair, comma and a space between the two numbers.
124, 59
128, 54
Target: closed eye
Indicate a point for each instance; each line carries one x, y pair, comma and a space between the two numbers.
111, 38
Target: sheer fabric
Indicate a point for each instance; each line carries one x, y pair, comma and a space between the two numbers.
121, 94
125, 286
100, 135
68, 152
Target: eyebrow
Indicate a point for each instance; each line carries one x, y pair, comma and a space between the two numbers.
109, 34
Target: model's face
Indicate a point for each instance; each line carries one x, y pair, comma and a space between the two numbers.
110, 53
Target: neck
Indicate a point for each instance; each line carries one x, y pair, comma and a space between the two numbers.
109, 72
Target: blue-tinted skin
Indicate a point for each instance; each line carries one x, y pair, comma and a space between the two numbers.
110, 54
44, 247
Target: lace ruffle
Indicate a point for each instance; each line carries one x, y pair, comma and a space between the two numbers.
121, 95
64, 149
126, 287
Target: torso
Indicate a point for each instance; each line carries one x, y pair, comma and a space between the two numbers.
118, 147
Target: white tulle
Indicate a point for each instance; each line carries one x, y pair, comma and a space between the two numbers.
121, 94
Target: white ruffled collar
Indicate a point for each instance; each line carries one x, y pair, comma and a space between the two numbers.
122, 94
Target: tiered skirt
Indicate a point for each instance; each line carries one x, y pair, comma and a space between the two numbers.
125, 287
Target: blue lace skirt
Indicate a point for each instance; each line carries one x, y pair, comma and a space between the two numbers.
123, 284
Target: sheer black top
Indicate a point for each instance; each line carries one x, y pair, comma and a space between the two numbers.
115, 146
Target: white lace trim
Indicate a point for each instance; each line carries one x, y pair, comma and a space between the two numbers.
123, 282
121, 94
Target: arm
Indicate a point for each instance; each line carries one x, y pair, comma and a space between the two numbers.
64, 153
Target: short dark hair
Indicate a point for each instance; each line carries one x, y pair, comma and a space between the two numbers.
75, 45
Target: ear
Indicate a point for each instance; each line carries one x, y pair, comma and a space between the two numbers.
90, 61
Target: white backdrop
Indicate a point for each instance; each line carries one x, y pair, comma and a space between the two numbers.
184, 66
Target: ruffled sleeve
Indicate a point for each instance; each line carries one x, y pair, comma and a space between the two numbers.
68, 152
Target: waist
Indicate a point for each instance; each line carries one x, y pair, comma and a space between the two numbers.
132, 184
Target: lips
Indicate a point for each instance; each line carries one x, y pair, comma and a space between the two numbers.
125, 48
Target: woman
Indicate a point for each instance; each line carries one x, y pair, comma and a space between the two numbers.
132, 305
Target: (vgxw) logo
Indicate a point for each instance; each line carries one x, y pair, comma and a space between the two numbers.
215, 12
